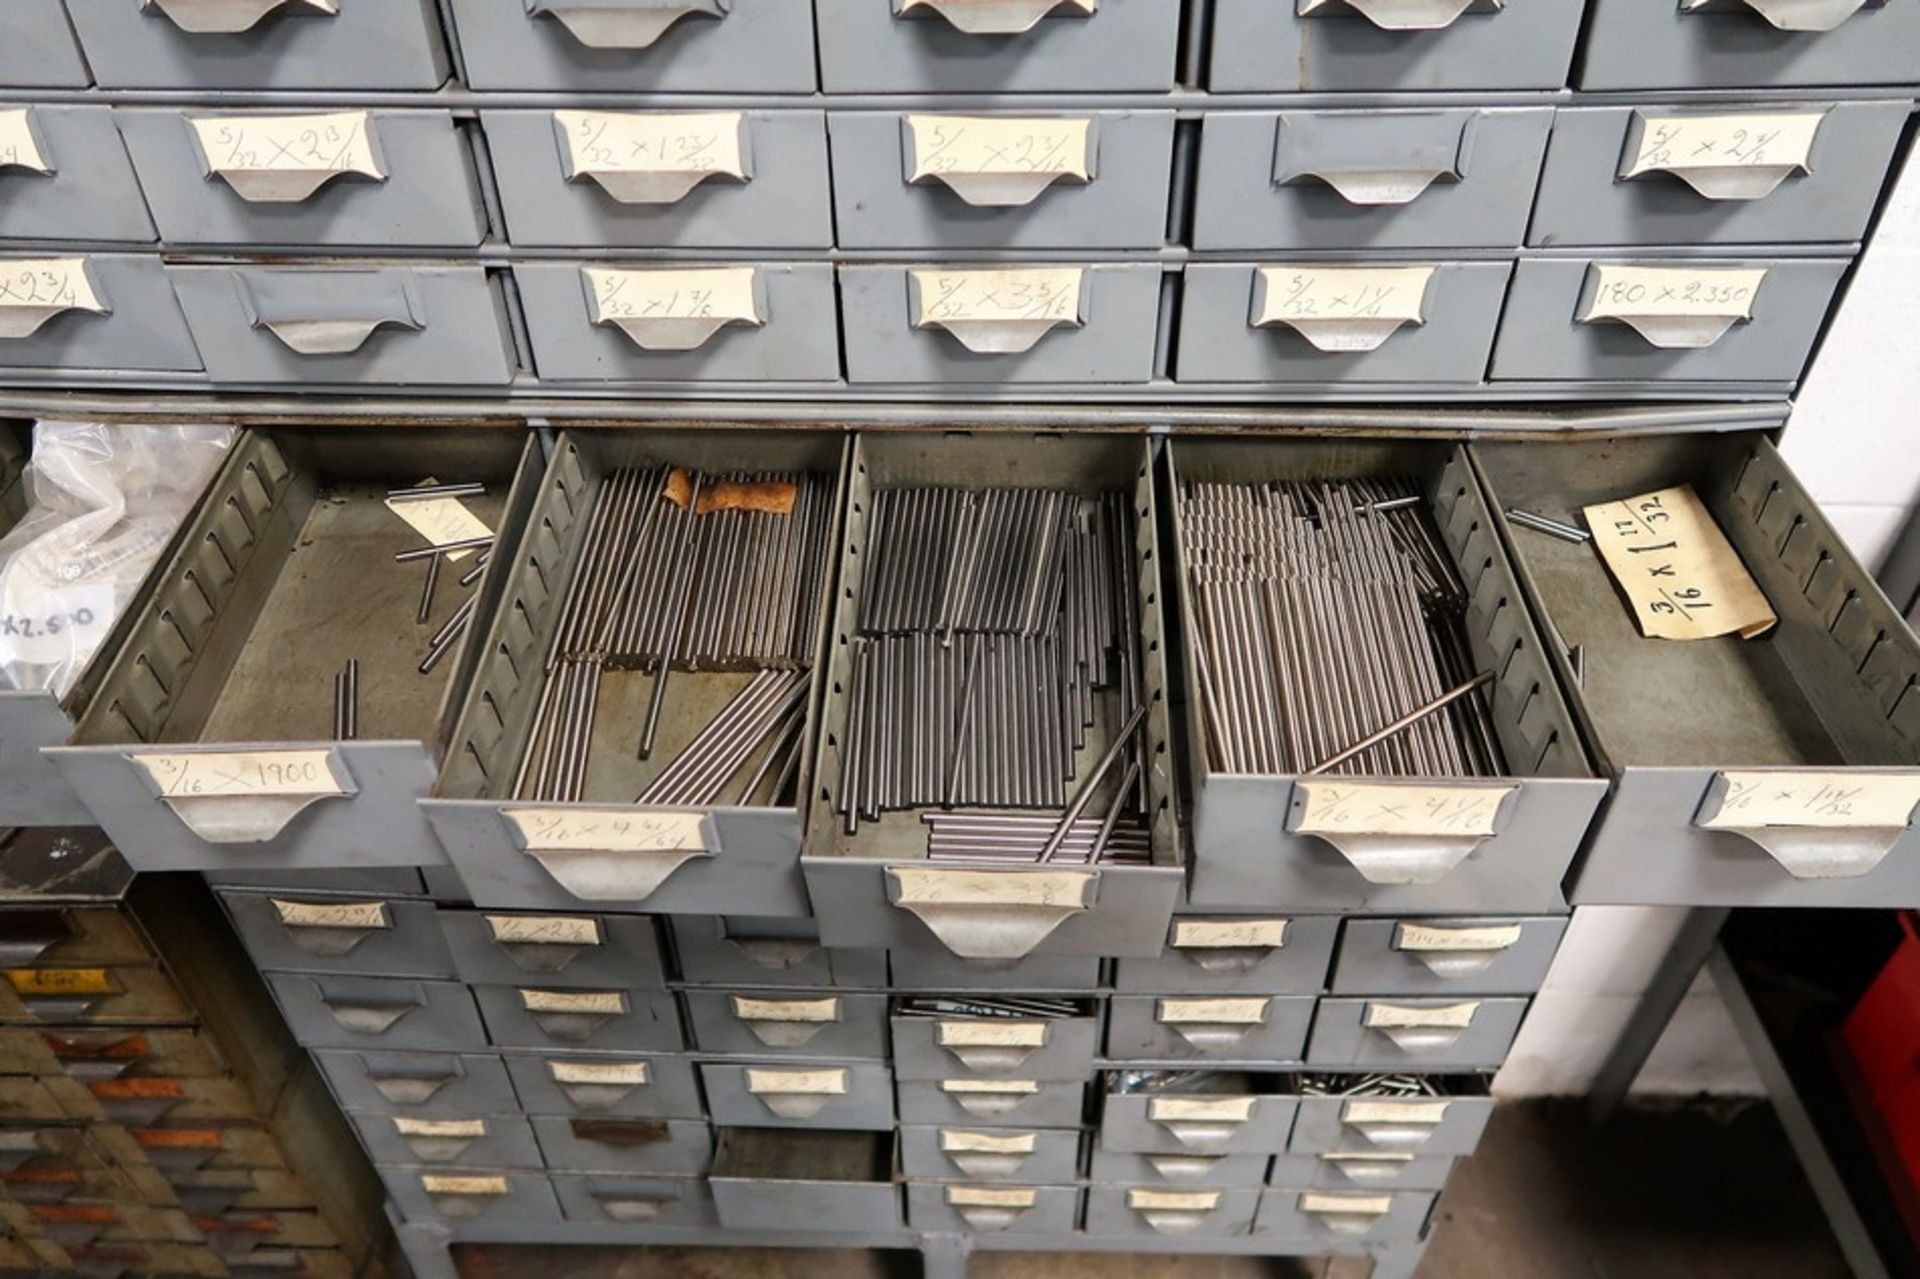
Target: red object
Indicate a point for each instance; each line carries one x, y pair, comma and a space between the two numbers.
1883, 1035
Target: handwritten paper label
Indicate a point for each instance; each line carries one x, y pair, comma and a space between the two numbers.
1173, 1200
300, 773
18, 147
439, 1127
1023, 1087
960, 1141
42, 625
1341, 308
283, 159
1214, 1012
1834, 801
353, 915
1388, 808
1730, 157
1201, 1110
586, 830
996, 310
921, 887
993, 17
1394, 1112
1681, 576
628, 1073
673, 310
62, 981
991, 1196
34, 290
769, 1083
998, 161
1229, 934
1673, 308
574, 1001
1426, 937
992, 1034
802, 1010
437, 1184
1404, 1016
442, 521
653, 157
544, 930
1365, 1205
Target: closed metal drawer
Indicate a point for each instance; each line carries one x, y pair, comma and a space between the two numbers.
1440, 1124
1338, 1215
758, 322
468, 1141
68, 177
1362, 1171
614, 1020
1368, 179
666, 1147
990, 1154
144, 1053
604, 1086
1263, 1028
965, 1048
554, 950
858, 1095
1497, 956
1062, 324
392, 324
37, 936
1094, 180
146, 1102
472, 1197
378, 1012
1268, 955
1462, 1032
701, 46
793, 1023
1820, 706
1135, 1211
731, 951
764, 1180
28, 1101
993, 1209
660, 179
356, 177
1032, 46
994, 1103
433, 1085
1295, 322
940, 971
211, 1149
372, 937
120, 995
1737, 43
1759, 174
1236, 1122
386, 881
1248, 847
1325, 46
251, 44
659, 1201
91, 311
1178, 1172
1626, 320
182, 757
37, 48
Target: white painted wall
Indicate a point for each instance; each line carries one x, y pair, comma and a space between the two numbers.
1855, 440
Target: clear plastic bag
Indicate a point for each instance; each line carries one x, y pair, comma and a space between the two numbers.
102, 504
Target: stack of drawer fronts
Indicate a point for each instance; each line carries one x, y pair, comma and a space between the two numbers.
127, 1145
1143, 199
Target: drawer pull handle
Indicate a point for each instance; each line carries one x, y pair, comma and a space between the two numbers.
674, 310
785, 1023
991, 1207
1399, 834
992, 1047
774, 953
998, 162
440, 1141
1347, 1214
796, 1094
367, 1017
331, 929
598, 1085
992, 914
986, 1099
611, 855
1341, 309
1817, 825
410, 1090
1373, 1170
1399, 1126
230, 17
243, 797
628, 1208
1183, 1167
20, 148
1421, 1028
1174, 1212
1456, 953
996, 17
1213, 1025
277, 159
1790, 15
34, 291
573, 1015
1685, 308
997, 310
1400, 15
463, 1198
653, 157
1227, 946
328, 312
544, 943
1202, 1123
634, 24
986, 1166
1715, 154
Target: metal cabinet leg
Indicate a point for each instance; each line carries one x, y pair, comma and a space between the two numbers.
427, 1248
944, 1256
1397, 1262
1699, 933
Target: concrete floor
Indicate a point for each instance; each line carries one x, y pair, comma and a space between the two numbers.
1684, 1192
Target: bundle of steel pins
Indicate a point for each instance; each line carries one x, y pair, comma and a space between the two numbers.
346, 701
991, 621
687, 571
1331, 633
1366, 1086
442, 641
1177, 1081
985, 1009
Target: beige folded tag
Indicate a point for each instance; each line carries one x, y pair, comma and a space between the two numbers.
963, 1141
1173, 1200
1403, 1016
1229, 934
18, 148
574, 1001
1367, 1205
437, 1184
1679, 308
991, 1034
1386, 296
948, 295
439, 1127
1682, 578
991, 1196
999, 145
723, 295
240, 773
1430, 937
37, 289
1812, 798
546, 930
1204, 1110
1390, 808
1214, 1012
300, 147
786, 1009
355, 915
630, 1073
778, 1082
1394, 1112
1021, 1086
1745, 140
648, 142
919, 887
589, 830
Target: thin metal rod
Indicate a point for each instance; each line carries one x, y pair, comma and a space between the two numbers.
425, 492
1403, 723
1553, 528
1085, 794
472, 575
683, 590
426, 592
445, 548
